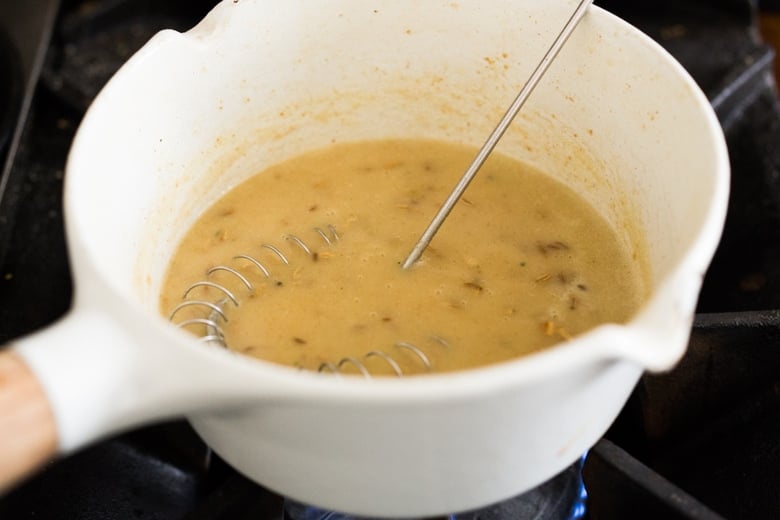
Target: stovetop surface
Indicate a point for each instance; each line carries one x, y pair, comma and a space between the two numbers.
702, 441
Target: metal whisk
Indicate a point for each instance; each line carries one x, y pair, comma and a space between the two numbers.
214, 317
214, 310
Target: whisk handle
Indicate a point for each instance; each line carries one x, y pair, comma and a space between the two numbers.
446, 208
28, 435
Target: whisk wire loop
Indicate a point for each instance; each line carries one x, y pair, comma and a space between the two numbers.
275, 250
210, 324
206, 283
189, 303
299, 242
390, 361
254, 262
414, 349
235, 273
349, 360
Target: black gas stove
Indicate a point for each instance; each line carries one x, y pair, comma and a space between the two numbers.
699, 442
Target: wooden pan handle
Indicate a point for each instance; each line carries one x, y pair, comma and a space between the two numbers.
28, 434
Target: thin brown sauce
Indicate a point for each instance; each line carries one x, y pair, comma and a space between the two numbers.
521, 264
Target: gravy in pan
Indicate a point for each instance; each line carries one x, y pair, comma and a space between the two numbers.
521, 264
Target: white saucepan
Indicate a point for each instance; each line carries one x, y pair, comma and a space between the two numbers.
256, 82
